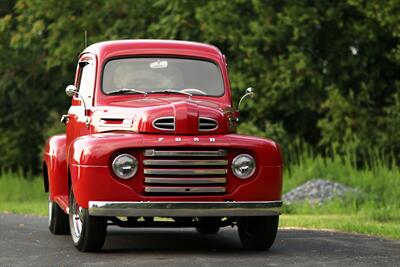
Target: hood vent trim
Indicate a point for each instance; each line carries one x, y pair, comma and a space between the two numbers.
164, 123
207, 124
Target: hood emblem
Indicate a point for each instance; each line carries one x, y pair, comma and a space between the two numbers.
179, 139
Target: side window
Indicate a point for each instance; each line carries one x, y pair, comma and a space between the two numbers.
86, 82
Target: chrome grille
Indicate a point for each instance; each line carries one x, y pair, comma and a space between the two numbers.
207, 124
177, 172
164, 124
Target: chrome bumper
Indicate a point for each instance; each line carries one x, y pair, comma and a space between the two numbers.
185, 209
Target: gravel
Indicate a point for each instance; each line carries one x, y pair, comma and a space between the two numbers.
317, 192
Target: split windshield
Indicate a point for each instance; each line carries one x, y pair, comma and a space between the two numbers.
162, 75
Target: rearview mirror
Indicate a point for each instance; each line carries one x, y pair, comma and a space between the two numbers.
249, 92
71, 90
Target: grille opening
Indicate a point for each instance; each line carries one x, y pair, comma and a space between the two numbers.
185, 171
164, 124
207, 124
107, 121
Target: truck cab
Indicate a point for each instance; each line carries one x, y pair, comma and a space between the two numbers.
151, 133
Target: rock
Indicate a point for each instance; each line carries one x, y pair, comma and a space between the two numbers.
317, 192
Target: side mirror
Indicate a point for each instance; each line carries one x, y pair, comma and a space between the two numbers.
71, 90
249, 92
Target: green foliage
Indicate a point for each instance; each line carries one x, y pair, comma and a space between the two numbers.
326, 72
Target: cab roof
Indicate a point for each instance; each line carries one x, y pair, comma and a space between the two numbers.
121, 48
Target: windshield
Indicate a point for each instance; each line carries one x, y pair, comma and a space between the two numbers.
160, 75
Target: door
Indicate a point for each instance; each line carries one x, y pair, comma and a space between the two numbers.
79, 112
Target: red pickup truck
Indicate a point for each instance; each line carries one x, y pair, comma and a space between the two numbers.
150, 142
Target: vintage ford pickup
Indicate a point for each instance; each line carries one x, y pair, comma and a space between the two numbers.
150, 142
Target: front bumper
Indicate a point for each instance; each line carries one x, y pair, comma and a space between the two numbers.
185, 209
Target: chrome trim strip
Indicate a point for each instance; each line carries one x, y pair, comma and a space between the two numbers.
186, 181
185, 171
184, 162
185, 209
162, 118
207, 124
184, 153
184, 190
165, 123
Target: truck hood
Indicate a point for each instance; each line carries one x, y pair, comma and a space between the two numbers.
168, 115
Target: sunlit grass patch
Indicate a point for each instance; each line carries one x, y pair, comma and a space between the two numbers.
346, 223
22, 195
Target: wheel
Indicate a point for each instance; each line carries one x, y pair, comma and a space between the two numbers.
208, 225
88, 232
258, 233
58, 220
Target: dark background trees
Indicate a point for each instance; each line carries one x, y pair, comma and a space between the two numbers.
326, 72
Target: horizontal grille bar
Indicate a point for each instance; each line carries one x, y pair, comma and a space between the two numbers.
185, 171
184, 162
185, 153
153, 180
184, 190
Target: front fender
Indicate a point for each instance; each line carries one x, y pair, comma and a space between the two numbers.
95, 149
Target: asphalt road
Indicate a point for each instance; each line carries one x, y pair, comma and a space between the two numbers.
26, 241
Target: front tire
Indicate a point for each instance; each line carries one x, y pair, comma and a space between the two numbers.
88, 232
58, 220
258, 233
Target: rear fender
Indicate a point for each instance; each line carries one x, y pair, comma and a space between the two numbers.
54, 160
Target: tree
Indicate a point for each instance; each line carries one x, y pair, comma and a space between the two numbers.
325, 72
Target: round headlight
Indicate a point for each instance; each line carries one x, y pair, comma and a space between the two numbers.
243, 166
125, 166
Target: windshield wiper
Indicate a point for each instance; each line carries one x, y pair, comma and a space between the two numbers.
170, 91
126, 90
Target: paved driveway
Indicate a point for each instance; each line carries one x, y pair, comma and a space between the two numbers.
26, 241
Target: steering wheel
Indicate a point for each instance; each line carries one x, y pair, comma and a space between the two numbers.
188, 90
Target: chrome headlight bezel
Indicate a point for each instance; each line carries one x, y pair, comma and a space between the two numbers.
235, 165
129, 160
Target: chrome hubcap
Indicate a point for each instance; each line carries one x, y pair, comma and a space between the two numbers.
50, 212
77, 220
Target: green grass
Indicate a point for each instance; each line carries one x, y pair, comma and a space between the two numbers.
354, 223
378, 186
19, 195
374, 210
